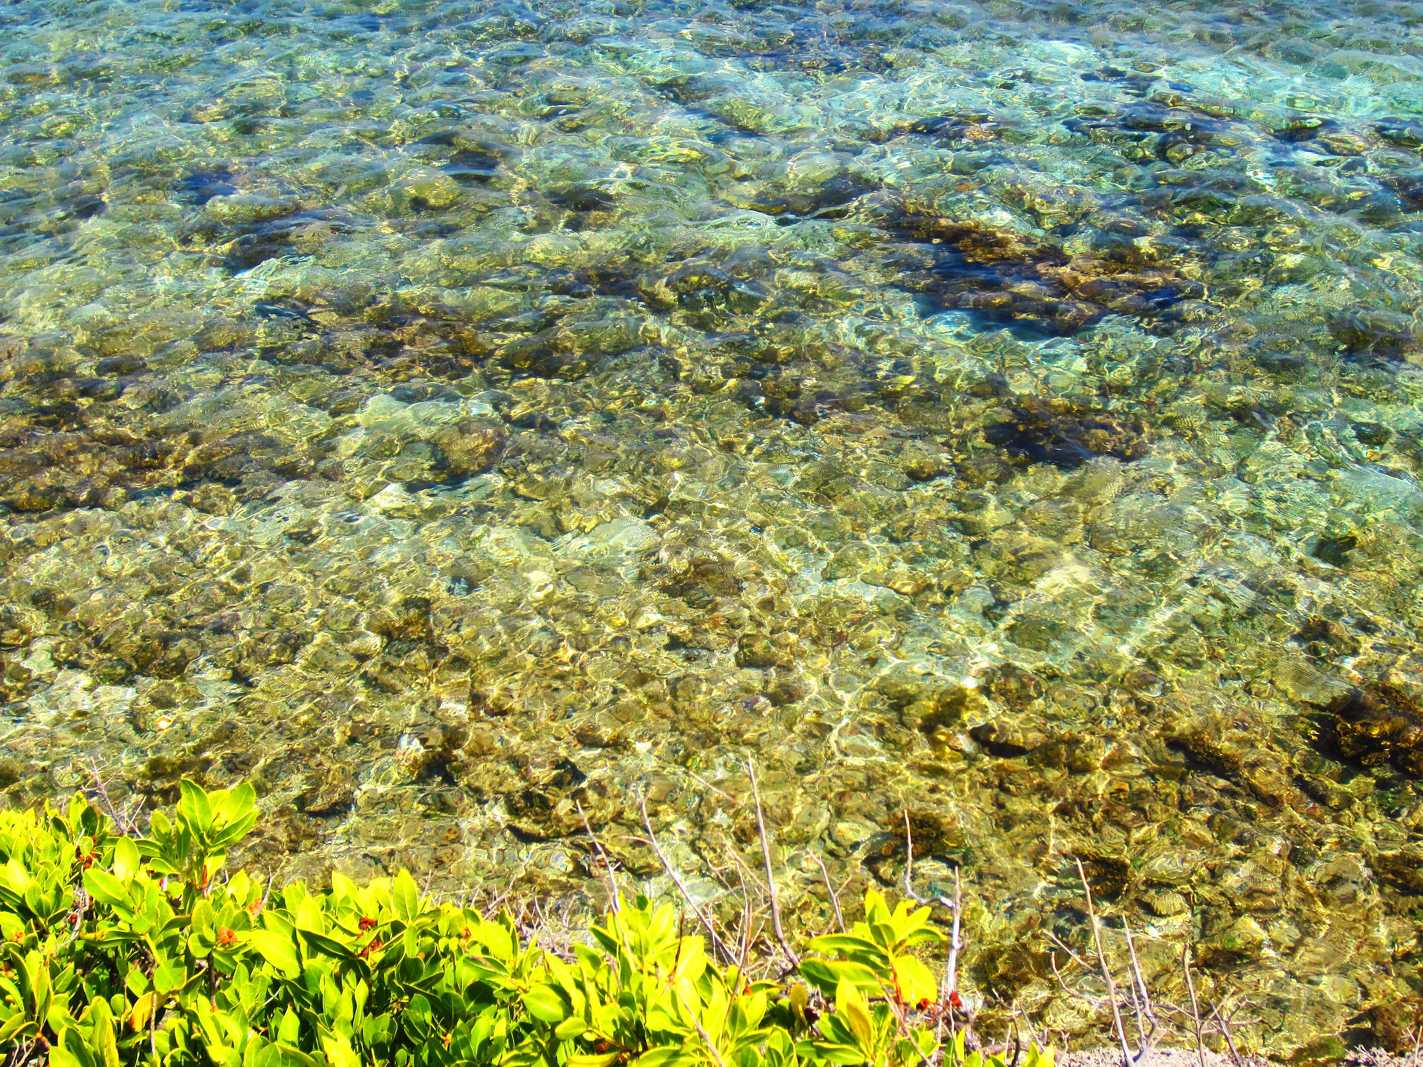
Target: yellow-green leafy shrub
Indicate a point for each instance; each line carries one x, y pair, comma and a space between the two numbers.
138, 949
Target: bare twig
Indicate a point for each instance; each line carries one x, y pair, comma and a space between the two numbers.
603, 856
1195, 1008
1057, 974
909, 871
744, 926
1073, 956
909, 863
830, 891
718, 946
901, 1018
82, 900
1224, 1029
751, 930
124, 821
951, 969
1105, 969
791, 953
706, 1040
1146, 1024
948, 993
746, 933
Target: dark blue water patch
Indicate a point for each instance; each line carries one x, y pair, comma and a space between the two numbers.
949, 128
1407, 133
1408, 188
1148, 131
283, 310
257, 242
615, 280
1306, 128
581, 199
832, 199
368, 22
1133, 83
728, 135
986, 320
472, 167
201, 186
84, 206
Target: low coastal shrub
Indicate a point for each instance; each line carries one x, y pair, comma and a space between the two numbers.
124, 948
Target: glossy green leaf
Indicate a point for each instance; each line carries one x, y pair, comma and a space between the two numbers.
277, 949
546, 1004
106, 888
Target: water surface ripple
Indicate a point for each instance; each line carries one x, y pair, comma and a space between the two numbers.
448, 414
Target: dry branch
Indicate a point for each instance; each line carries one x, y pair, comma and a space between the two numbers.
830, 891
1195, 1008
1146, 1024
603, 856
718, 946
791, 953
1105, 969
948, 993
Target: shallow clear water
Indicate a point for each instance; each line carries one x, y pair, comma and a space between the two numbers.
449, 414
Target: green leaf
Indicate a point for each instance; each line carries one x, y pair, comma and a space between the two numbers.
829, 1052
234, 812
850, 1005
914, 980
665, 1057
546, 1004
277, 949
825, 975
169, 976
194, 808
339, 1052
405, 894
570, 1028
289, 1029
106, 888
126, 858
849, 945
102, 1039
38, 991
70, 1051
15, 880
326, 945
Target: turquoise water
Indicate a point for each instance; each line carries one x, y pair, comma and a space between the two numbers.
449, 415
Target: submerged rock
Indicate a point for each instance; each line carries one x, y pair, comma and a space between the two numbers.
1011, 278
1376, 725
1067, 434
1375, 333
470, 446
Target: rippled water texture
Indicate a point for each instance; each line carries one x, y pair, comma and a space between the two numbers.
447, 414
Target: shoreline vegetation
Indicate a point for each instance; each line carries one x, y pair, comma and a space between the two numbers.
127, 940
